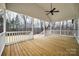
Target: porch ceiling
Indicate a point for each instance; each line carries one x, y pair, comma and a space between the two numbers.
67, 10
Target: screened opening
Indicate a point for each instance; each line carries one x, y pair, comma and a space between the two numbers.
1, 20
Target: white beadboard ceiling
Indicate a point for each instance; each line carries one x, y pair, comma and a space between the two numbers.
67, 10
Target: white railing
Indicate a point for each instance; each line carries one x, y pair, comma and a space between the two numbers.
17, 36
2, 42
62, 32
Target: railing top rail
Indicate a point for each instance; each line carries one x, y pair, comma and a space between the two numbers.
62, 29
18, 31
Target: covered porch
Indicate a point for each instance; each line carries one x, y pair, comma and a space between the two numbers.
38, 34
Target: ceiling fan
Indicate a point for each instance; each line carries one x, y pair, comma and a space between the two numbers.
52, 11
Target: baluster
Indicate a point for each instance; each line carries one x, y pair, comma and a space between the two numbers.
9, 38
14, 37
23, 36
20, 35
6, 37
7, 41
17, 36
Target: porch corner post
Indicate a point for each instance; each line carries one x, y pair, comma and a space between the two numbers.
50, 27
60, 27
74, 30
44, 29
32, 28
4, 25
4, 22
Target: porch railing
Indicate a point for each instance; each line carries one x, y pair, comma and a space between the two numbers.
17, 36
62, 32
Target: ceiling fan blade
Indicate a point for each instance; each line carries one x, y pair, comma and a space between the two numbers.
55, 11
48, 13
52, 13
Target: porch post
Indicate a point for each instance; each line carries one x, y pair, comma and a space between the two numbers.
4, 22
32, 28
44, 29
4, 25
50, 26
60, 28
74, 30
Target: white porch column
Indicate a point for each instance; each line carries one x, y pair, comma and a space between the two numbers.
78, 31
4, 25
32, 28
50, 27
4, 22
60, 27
44, 29
74, 29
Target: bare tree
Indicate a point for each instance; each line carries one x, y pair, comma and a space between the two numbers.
24, 18
17, 22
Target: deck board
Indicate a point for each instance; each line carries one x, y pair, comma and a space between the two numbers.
44, 46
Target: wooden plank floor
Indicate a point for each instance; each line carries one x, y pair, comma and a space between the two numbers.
44, 46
